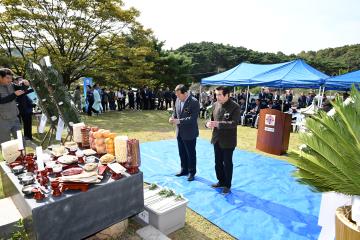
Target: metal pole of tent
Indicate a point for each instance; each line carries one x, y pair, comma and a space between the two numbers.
246, 106
322, 96
318, 104
283, 100
247, 99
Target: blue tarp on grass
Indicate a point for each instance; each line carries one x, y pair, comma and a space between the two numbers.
266, 202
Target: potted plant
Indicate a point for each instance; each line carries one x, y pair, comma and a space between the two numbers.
329, 159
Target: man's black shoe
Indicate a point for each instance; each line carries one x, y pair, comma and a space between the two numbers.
181, 174
191, 178
226, 190
217, 185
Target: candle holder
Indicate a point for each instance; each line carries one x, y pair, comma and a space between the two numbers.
72, 151
81, 157
30, 164
132, 169
43, 178
115, 176
55, 185
133, 156
21, 158
38, 195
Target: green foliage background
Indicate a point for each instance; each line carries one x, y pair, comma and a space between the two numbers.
104, 40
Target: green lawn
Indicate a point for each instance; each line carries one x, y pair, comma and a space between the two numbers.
153, 126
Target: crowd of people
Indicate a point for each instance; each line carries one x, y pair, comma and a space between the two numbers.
99, 100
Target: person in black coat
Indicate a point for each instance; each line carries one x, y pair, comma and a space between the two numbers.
90, 100
152, 97
262, 94
112, 101
173, 96
224, 121
276, 105
145, 98
138, 100
25, 106
242, 106
168, 98
131, 97
302, 101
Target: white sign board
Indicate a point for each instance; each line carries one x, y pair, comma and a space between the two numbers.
144, 215
270, 119
269, 129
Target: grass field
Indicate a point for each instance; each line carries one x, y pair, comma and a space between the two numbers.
153, 126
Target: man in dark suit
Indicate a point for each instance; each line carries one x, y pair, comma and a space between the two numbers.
186, 113
224, 121
168, 98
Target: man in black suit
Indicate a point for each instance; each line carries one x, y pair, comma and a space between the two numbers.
224, 121
302, 101
185, 115
262, 94
168, 98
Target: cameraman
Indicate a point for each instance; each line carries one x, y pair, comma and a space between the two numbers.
9, 121
25, 106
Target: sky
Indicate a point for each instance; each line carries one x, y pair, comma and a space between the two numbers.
289, 26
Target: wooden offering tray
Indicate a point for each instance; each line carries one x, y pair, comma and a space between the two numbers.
74, 186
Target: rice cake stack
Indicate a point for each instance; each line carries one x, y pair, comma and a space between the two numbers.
77, 132
121, 149
10, 150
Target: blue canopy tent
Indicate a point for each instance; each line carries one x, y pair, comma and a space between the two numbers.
343, 82
293, 74
241, 75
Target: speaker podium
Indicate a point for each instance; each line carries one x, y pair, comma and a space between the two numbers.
273, 131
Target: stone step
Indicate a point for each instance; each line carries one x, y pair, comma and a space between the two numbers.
151, 233
9, 217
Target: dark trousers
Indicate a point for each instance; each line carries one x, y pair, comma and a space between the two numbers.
138, 104
187, 152
146, 104
27, 123
131, 103
105, 106
223, 164
160, 104
91, 109
167, 104
112, 105
119, 105
123, 105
